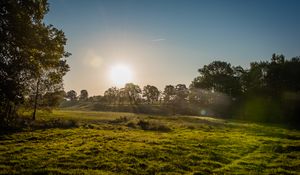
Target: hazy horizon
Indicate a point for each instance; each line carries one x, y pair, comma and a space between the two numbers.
166, 42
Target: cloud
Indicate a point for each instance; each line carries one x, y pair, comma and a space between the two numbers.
158, 39
92, 59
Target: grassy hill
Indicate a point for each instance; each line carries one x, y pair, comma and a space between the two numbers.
85, 142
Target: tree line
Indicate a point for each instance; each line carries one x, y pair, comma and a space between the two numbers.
267, 91
132, 94
33, 63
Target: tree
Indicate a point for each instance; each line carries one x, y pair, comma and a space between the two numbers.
218, 76
83, 95
181, 92
270, 90
199, 96
97, 98
121, 96
254, 79
53, 99
29, 52
132, 92
151, 93
169, 93
71, 95
111, 94
218, 87
48, 80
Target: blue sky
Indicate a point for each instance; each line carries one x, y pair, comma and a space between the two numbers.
165, 42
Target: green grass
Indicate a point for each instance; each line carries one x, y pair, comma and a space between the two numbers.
117, 143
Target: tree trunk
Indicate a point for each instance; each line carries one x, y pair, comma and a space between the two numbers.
36, 99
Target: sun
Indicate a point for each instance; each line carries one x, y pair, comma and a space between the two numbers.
120, 75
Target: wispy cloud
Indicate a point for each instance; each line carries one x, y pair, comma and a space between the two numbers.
158, 39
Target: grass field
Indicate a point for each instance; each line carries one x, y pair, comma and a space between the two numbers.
82, 142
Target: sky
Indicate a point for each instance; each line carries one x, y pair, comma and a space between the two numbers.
165, 42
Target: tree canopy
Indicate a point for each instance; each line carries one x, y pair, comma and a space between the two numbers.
151, 93
31, 52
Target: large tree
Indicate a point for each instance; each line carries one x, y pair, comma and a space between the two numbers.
31, 52
151, 93
218, 76
132, 92
181, 92
169, 93
111, 95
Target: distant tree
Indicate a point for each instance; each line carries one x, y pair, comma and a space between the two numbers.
31, 52
270, 90
83, 95
218, 87
111, 95
122, 96
151, 93
97, 98
169, 93
71, 95
132, 92
254, 79
199, 96
181, 92
239, 74
218, 76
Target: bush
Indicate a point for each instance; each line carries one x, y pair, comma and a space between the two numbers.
52, 123
121, 119
153, 125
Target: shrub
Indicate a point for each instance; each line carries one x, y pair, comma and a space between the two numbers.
121, 119
53, 123
153, 125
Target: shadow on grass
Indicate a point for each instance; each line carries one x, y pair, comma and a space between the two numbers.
25, 124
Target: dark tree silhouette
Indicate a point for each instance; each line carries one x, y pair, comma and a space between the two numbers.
122, 96
31, 52
111, 95
71, 95
151, 93
219, 76
268, 91
169, 94
181, 92
84, 95
132, 92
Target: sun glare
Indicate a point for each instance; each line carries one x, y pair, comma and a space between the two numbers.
120, 75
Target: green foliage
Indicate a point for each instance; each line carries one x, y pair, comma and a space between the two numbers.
31, 54
169, 93
151, 93
107, 143
112, 94
132, 92
266, 92
153, 125
53, 99
220, 77
83, 95
71, 95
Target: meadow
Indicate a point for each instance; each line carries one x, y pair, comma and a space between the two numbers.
86, 142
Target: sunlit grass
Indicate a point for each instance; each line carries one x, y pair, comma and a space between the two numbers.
104, 143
